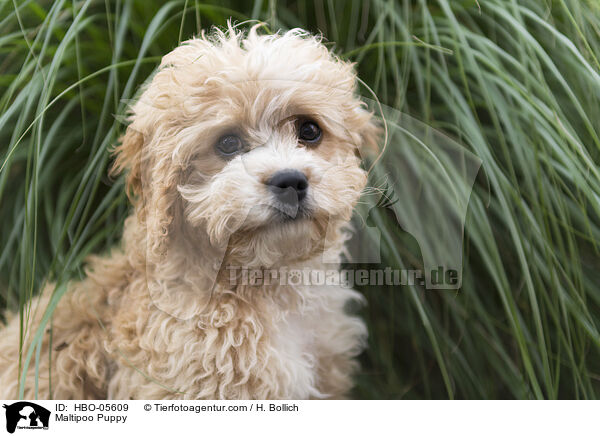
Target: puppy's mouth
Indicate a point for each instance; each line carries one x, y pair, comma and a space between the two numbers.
290, 212
288, 203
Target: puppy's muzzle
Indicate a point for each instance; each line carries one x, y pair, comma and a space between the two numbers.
288, 186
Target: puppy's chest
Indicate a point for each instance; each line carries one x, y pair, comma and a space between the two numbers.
279, 359
242, 354
294, 354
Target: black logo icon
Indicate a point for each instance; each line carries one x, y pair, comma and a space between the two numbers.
26, 415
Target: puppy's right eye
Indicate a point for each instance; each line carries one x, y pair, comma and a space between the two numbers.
229, 145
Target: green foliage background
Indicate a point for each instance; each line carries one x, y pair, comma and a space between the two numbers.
515, 81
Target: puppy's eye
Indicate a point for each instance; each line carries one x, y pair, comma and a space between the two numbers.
229, 145
309, 132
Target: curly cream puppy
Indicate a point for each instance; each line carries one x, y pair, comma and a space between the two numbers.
241, 155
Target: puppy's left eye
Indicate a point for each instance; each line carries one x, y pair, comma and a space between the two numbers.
229, 145
309, 132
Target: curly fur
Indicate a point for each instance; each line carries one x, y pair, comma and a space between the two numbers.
159, 318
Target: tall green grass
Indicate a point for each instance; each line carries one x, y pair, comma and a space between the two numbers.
517, 82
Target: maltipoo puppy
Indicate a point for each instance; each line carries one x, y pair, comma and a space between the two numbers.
242, 162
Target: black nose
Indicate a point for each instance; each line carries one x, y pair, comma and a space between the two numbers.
288, 185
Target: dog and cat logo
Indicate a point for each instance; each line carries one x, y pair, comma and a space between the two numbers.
26, 415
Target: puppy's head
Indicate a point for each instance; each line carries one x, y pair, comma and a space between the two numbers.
249, 142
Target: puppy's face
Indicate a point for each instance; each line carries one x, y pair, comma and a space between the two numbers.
251, 143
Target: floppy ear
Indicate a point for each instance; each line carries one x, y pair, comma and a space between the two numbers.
370, 135
162, 205
129, 156
151, 186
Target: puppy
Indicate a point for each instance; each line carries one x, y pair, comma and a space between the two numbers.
241, 158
